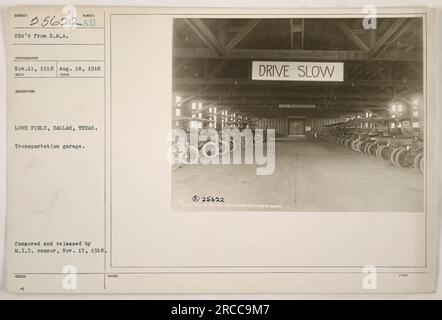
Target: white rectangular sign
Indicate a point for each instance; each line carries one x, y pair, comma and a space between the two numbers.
297, 71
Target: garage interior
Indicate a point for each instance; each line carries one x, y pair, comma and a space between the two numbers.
351, 145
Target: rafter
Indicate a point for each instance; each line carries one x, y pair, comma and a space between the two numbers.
397, 35
218, 69
186, 99
290, 94
325, 55
242, 33
375, 58
232, 81
384, 38
352, 36
200, 28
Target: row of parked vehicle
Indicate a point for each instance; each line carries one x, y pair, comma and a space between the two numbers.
402, 151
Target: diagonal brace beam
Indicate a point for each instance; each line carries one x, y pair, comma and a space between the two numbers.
390, 31
352, 36
200, 28
242, 33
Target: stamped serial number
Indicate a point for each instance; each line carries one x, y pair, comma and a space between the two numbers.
197, 198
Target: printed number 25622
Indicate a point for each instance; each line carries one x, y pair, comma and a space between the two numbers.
212, 199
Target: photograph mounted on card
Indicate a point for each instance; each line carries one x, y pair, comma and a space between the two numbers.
183, 150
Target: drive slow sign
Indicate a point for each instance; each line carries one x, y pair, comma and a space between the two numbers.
297, 71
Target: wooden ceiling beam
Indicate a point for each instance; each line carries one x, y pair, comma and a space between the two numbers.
386, 36
275, 94
397, 35
270, 100
200, 28
242, 33
347, 83
352, 36
281, 54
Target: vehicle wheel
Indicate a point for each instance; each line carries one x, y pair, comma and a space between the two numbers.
404, 158
340, 141
372, 149
421, 165
175, 157
224, 147
417, 162
384, 153
393, 156
210, 150
354, 145
259, 138
233, 145
377, 152
360, 145
192, 155
367, 147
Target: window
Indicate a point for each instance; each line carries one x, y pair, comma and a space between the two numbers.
193, 105
193, 124
178, 101
178, 112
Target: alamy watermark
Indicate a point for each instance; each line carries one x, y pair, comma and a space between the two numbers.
370, 18
231, 146
370, 279
70, 278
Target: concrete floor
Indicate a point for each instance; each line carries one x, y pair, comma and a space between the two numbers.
310, 175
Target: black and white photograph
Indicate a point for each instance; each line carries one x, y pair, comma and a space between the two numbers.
298, 114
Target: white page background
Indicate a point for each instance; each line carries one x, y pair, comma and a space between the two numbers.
190, 3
